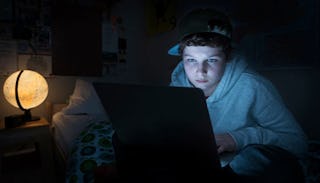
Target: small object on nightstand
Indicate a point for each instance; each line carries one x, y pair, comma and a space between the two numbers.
13, 121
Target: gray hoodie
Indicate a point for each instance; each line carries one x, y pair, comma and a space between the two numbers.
249, 108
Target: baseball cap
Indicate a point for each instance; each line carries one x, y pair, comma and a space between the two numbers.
202, 20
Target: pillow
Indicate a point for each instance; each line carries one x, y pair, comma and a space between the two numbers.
84, 100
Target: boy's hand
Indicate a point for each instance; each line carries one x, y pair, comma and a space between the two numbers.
225, 143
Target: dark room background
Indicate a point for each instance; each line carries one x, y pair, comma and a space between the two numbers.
127, 41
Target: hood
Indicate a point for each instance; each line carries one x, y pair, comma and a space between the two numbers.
234, 68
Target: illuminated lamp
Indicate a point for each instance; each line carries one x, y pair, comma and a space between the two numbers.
24, 89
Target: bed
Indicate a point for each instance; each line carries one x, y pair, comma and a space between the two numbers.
82, 134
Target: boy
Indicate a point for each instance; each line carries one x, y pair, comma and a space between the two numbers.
258, 138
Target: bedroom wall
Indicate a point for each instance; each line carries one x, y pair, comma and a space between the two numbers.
61, 87
148, 62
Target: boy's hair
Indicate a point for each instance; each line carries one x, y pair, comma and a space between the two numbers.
206, 39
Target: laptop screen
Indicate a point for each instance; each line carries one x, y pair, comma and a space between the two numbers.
162, 116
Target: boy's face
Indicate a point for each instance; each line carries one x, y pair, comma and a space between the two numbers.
204, 66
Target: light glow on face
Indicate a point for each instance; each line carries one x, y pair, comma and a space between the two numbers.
32, 89
204, 66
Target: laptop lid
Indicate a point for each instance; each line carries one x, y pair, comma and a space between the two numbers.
161, 116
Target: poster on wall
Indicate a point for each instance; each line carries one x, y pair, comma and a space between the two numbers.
8, 57
25, 29
114, 45
32, 24
160, 16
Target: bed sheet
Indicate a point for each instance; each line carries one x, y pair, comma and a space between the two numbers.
67, 128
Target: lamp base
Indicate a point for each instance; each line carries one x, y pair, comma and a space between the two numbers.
14, 121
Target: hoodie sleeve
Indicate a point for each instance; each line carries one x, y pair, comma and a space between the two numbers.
274, 123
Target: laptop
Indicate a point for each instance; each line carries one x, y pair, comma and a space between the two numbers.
162, 133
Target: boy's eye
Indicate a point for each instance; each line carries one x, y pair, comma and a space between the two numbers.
212, 60
191, 60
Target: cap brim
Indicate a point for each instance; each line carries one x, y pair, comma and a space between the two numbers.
174, 50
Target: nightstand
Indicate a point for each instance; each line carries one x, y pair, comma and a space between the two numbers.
26, 153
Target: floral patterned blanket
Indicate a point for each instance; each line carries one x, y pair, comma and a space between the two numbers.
92, 148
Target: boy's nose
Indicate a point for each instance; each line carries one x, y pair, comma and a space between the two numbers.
202, 68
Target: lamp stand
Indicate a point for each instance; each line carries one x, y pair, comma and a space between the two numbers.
19, 119
29, 117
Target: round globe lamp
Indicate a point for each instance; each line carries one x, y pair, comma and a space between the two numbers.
24, 89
